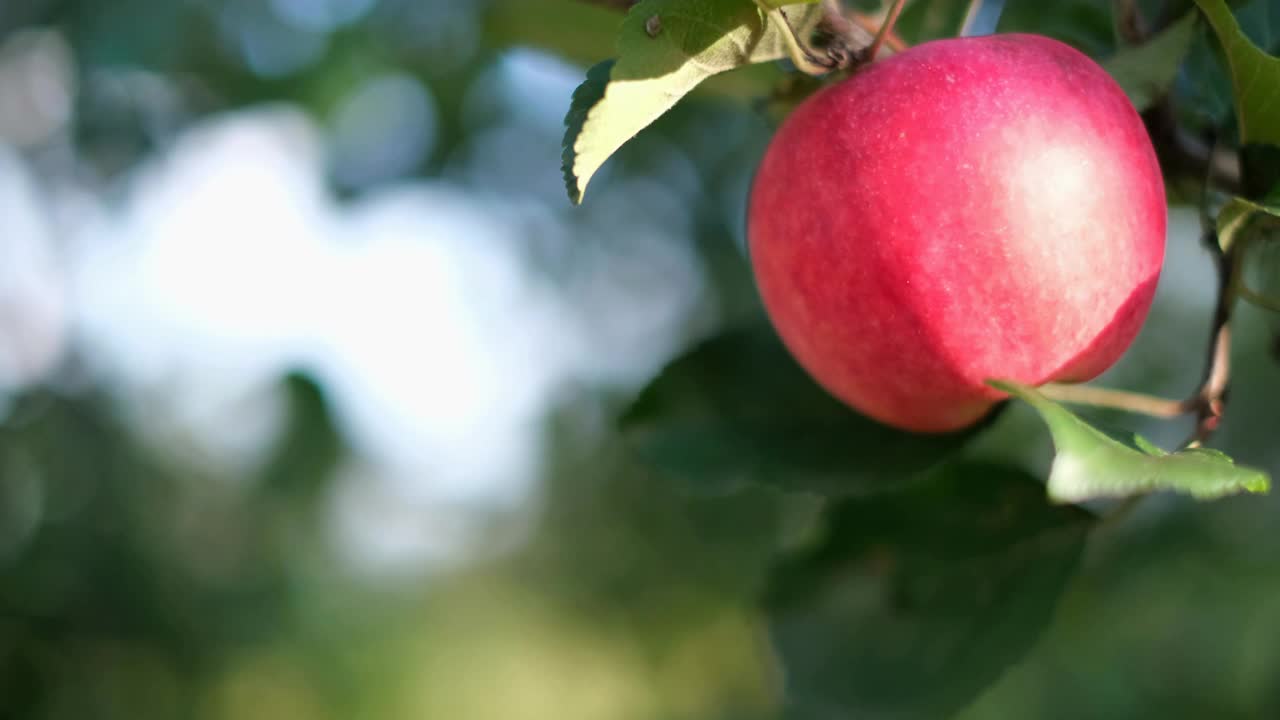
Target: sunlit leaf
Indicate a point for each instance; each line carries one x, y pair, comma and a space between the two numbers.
1089, 464
1255, 76
1146, 72
665, 49
912, 603
738, 409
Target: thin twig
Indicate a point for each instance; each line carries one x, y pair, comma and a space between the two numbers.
1210, 399
885, 29
1129, 24
1116, 399
892, 40
970, 15
1181, 152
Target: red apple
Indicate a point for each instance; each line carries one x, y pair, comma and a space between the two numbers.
969, 209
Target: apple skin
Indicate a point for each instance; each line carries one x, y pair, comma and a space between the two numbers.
968, 209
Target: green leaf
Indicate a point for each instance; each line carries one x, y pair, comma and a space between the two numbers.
1089, 464
1202, 90
913, 602
1255, 76
1254, 229
738, 409
585, 96
665, 49
1146, 72
1237, 215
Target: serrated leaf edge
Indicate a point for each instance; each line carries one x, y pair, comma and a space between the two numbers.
1257, 481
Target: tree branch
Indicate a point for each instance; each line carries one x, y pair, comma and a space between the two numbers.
1182, 152
1210, 400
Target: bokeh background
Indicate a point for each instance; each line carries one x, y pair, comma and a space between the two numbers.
309, 374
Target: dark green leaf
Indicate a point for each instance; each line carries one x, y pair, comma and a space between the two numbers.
1202, 89
665, 49
1260, 21
739, 409
1089, 464
1147, 71
914, 602
1255, 77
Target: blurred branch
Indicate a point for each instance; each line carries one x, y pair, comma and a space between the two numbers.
981, 18
1183, 152
1128, 20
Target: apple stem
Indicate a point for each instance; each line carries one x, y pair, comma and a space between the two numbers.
805, 59
1116, 399
851, 39
885, 28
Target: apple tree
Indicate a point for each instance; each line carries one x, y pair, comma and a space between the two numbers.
934, 567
